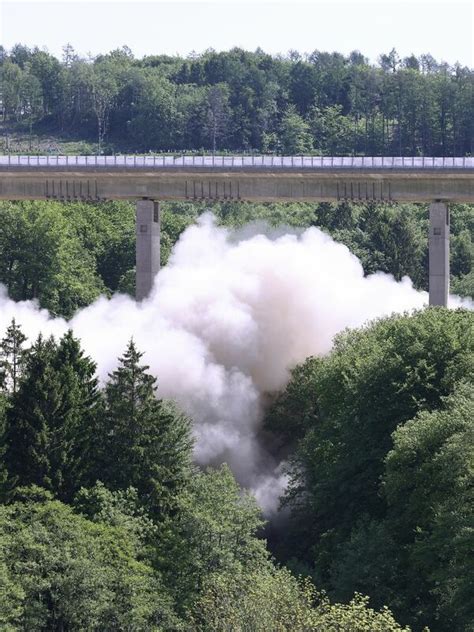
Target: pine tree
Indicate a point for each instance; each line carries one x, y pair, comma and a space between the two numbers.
12, 357
31, 407
3, 469
51, 418
147, 442
75, 426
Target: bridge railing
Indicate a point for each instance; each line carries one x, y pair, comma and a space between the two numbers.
238, 162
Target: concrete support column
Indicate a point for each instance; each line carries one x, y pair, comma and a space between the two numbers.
439, 253
148, 246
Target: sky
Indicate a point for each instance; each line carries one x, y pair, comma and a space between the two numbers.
441, 27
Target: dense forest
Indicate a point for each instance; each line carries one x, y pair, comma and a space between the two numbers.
322, 103
106, 522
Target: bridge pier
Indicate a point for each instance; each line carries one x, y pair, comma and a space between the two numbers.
148, 246
439, 254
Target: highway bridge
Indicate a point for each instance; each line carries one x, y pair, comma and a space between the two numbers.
150, 179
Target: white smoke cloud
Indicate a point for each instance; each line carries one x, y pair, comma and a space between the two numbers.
228, 317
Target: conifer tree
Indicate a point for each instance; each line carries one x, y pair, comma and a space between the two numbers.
12, 357
3, 468
75, 426
33, 404
146, 442
51, 417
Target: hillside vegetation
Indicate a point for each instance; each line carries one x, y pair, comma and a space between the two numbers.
325, 103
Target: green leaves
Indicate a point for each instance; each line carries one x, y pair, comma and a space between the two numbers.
428, 484
214, 531
40, 258
381, 477
294, 134
60, 571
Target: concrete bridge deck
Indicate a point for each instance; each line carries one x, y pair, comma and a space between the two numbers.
253, 178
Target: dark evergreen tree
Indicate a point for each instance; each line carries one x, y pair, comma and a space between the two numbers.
35, 402
4, 479
146, 442
51, 418
82, 406
12, 357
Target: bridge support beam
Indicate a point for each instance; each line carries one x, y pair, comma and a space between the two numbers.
439, 254
148, 246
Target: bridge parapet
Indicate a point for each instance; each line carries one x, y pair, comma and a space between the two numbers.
239, 162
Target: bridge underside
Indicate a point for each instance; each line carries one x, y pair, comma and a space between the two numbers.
259, 187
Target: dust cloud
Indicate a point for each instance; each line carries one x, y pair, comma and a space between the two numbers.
228, 317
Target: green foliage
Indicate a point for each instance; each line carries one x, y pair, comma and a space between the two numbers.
40, 257
272, 599
144, 442
294, 134
263, 599
60, 571
428, 484
50, 417
117, 509
332, 131
106, 231
405, 543
4, 478
464, 286
236, 100
355, 616
12, 357
214, 531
